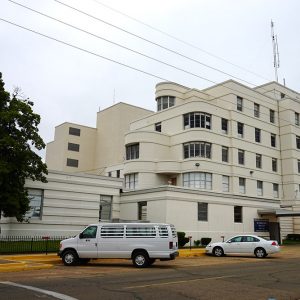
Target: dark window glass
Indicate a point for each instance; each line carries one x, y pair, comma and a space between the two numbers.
105, 207
202, 211
89, 233
274, 164
241, 157
197, 120
273, 140
224, 125
298, 166
256, 110
165, 102
132, 151
257, 135
225, 154
238, 214
73, 147
297, 119
74, 131
72, 162
272, 116
142, 211
240, 129
298, 142
158, 127
258, 161
239, 103
118, 173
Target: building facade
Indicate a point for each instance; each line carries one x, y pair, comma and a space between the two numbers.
213, 162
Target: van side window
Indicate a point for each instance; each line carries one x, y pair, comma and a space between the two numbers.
163, 231
174, 233
89, 233
140, 232
112, 231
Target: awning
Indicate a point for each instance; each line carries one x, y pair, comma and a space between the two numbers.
279, 212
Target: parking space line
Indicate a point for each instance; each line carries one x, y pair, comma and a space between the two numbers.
178, 281
50, 293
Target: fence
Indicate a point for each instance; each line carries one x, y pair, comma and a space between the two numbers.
29, 244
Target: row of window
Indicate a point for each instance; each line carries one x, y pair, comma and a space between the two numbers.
203, 180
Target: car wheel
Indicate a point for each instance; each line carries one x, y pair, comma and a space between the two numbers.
140, 259
218, 251
260, 252
70, 258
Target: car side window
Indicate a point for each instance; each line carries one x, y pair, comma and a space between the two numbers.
89, 233
236, 239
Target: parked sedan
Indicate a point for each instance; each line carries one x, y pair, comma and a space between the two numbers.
244, 244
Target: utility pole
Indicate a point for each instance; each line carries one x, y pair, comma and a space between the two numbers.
275, 51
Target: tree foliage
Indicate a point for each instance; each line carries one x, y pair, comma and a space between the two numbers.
18, 137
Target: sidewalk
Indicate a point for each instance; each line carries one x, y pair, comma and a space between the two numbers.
14, 263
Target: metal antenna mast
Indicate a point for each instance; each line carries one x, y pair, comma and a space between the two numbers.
275, 51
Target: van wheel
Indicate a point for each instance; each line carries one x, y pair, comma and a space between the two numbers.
140, 259
70, 258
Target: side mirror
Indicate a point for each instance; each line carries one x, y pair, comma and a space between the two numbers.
229, 242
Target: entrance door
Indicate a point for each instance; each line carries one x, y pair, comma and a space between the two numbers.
274, 229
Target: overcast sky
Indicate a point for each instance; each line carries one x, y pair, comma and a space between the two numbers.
67, 84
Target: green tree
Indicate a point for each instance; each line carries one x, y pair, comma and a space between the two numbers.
18, 138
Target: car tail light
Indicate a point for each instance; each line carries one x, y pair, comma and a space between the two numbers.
170, 245
274, 243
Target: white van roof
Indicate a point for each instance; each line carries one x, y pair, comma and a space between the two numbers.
129, 223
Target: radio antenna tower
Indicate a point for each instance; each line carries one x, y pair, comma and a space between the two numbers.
275, 51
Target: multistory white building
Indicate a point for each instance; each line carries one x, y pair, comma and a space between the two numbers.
214, 162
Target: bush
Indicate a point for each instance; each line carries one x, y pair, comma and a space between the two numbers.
205, 241
182, 240
197, 243
293, 237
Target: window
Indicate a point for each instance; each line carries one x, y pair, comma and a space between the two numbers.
225, 183
35, 197
105, 208
165, 102
89, 233
298, 166
72, 162
74, 131
112, 231
73, 147
240, 129
272, 116
273, 140
239, 103
197, 120
142, 211
298, 142
199, 180
109, 174
258, 161
140, 231
242, 185
158, 127
132, 151
224, 154
241, 157
259, 185
224, 126
275, 190
256, 110
197, 149
131, 181
118, 173
297, 120
202, 211
238, 214
257, 135
274, 164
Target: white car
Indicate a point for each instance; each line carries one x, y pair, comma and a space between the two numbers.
244, 244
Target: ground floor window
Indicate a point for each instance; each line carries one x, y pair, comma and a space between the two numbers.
142, 211
238, 214
105, 208
198, 180
36, 201
202, 211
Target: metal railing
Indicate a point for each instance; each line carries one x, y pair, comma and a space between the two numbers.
29, 244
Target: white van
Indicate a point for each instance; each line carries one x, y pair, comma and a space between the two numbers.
141, 242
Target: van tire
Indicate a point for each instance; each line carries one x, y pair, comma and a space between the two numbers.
70, 258
140, 259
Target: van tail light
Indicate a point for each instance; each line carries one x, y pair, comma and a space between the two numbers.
170, 245
274, 243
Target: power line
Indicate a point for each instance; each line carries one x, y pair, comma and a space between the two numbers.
179, 40
130, 67
149, 41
